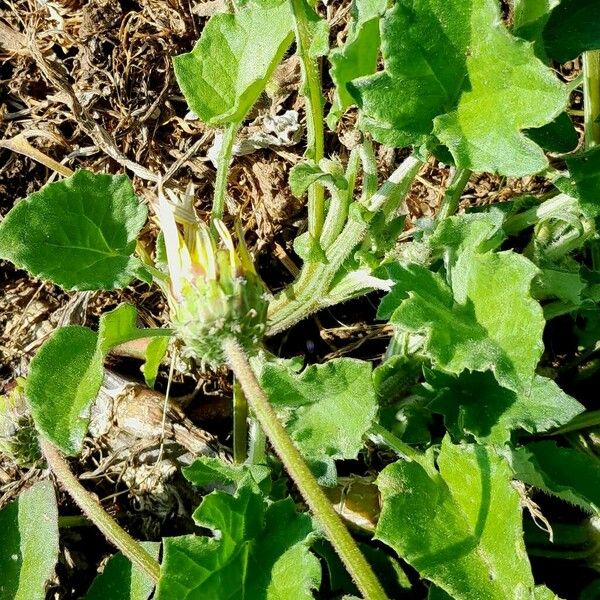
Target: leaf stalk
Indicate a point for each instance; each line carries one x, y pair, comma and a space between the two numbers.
223, 162
313, 99
94, 511
591, 95
454, 191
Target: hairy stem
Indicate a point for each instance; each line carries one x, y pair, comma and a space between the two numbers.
310, 291
454, 191
369, 166
381, 435
297, 468
591, 94
223, 162
240, 424
313, 100
558, 205
94, 511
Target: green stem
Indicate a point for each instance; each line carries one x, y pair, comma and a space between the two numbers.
380, 434
591, 95
454, 191
240, 424
257, 447
313, 99
555, 205
369, 166
297, 468
336, 217
68, 521
583, 421
310, 291
94, 511
223, 162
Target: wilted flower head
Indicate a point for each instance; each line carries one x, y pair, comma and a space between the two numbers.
214, 292
18, 436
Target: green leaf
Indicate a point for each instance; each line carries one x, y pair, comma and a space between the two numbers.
121, 580
584, 170
306, 173
208, 470
558, 136
563, 472
477, 232
155, 352
29, 549
258, 551
120, 325
459, 526
475, 404
327, 409
64, 378
529, 20
358, 56
452, 69
223, 76
487, 320
572, 28
592, 591
79, 233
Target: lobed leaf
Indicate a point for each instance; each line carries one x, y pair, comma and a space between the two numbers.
571, 29
79, 233
486, 320
475, 404
453, 70
258, 551
29, 549
230, 65
327, 409
458, 526
562, 472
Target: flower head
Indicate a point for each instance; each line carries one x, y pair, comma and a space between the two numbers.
18, 435
214, 291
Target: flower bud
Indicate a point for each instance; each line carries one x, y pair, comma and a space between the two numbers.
214, 292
